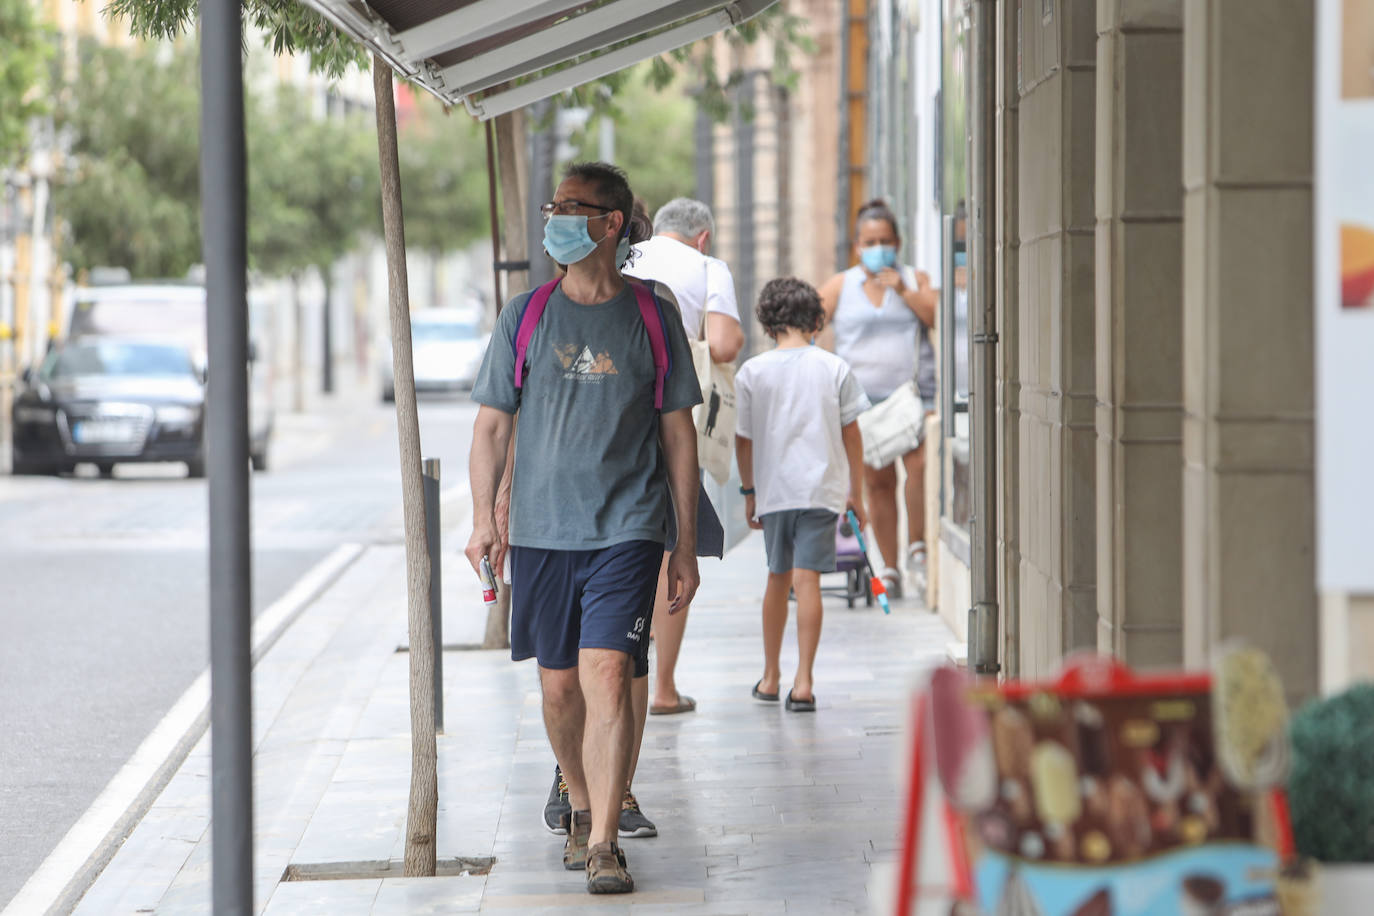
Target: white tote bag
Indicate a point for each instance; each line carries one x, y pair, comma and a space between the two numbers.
893, 427
715, 416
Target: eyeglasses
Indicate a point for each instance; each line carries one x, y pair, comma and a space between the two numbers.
570, 208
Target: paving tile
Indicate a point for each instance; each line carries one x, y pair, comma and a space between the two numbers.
323, 898
429, 896
759, 811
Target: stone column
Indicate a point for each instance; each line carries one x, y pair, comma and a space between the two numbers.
1056, 511
1139, 351
1248, 516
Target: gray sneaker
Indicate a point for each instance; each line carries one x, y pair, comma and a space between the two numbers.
558, 809
633, 823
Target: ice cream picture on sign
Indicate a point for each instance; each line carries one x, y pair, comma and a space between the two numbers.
1357, 266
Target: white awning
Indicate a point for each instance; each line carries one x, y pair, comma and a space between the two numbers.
487, 54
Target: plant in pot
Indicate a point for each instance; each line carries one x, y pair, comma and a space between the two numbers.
1331, 796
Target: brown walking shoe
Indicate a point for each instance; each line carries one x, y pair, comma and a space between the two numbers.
606, 872
575, 847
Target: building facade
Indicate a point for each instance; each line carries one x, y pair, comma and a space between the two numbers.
1146, 258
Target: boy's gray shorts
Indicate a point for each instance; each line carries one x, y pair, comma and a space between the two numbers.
800, 539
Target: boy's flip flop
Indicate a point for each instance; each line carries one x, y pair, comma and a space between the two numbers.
684, 704
760, 695
795, 705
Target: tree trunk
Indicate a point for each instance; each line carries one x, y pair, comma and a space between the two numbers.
512, 155
424, 788
327, 330
512, 152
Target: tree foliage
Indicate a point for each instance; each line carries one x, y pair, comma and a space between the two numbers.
24, 48
313, 185
654, 139
131, 191
697, 67
287, 27
443, 179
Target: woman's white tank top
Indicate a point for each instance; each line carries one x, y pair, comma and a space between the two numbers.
879, 343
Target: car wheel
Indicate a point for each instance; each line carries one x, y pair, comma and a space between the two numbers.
259, 460
195, 468
106, 469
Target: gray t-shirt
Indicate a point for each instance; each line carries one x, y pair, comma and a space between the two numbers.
589, 472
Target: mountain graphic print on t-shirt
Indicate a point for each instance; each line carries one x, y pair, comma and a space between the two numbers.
580, 364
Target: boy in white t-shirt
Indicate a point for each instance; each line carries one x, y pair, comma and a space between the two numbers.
800, 465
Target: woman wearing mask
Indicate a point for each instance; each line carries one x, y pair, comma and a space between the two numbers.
880, 314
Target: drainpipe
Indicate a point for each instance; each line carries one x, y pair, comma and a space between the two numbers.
983, 616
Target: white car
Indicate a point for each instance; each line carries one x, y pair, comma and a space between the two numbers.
448, 346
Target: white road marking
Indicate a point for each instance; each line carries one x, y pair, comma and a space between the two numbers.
57, 885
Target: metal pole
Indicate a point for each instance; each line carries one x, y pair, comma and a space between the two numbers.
983, 616
433, 527
223, 190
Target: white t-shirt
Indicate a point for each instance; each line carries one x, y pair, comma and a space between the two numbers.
697, 280
792, 403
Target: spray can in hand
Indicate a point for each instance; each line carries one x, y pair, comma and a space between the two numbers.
488, 582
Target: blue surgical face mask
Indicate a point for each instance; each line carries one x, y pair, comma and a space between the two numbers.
878, 257
960, 258
566, 239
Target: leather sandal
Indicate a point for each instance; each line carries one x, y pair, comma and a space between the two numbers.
606, 872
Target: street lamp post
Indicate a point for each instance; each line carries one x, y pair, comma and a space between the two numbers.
223, 220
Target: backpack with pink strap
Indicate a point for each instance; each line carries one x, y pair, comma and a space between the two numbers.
649, 310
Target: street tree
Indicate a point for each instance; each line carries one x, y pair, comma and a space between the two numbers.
130, 189
24, 48
313, 193
443, 176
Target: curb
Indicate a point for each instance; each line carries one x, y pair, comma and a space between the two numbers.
63, 878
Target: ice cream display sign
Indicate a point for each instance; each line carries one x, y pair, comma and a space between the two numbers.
1105, 796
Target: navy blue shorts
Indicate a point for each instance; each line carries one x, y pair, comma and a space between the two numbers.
566, 600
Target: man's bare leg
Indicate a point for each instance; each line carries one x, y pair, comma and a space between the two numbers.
565, 714
607, 736
668, 633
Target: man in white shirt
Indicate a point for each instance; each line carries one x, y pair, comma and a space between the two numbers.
677, 256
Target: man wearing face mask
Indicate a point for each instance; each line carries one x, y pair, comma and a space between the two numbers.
588, 505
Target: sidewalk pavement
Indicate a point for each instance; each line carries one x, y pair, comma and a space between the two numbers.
759, 810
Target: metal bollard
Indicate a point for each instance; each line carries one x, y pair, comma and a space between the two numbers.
436, 607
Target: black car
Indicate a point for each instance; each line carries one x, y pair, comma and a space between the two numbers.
110, 400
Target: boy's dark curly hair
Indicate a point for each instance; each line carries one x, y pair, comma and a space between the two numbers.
789, 303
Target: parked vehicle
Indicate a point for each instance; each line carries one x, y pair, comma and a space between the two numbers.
107, 401
448, 345
174, 312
